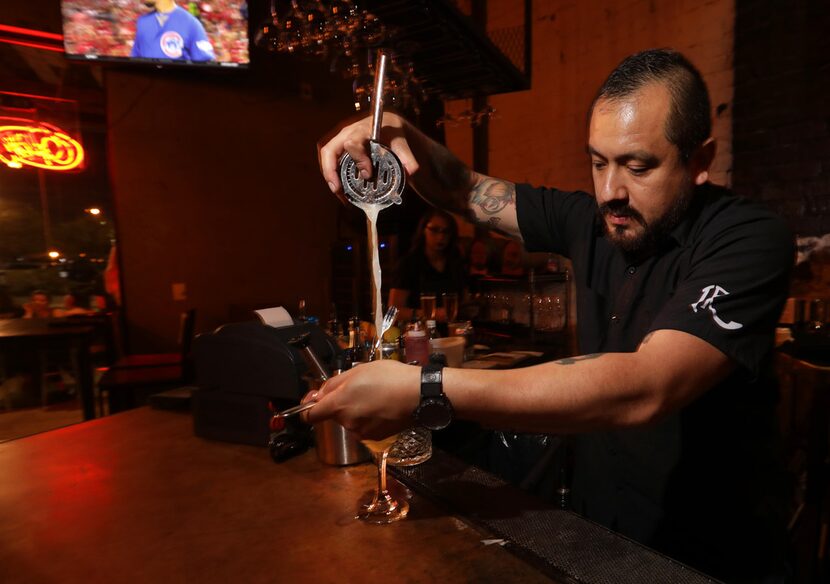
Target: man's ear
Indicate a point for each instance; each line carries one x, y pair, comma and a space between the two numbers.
702, 160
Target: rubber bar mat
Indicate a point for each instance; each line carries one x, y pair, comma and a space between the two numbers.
558, 543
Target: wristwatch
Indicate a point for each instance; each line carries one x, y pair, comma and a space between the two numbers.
435, 410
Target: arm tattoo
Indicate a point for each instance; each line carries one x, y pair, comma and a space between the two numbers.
577, 359
493, 196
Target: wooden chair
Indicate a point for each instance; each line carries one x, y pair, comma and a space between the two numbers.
187, 326
130, 388
133, 378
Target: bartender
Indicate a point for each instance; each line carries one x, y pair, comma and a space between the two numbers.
433, 266
679, 287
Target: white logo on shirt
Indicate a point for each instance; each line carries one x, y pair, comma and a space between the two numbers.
707, 298
205, 47
172, 44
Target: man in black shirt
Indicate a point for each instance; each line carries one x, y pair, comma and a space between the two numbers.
679, 287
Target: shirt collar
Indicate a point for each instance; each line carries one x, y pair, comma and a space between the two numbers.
681, 231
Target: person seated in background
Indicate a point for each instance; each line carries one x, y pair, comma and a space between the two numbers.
38, 306
433, 265
478, 259
511, 260
72, 306
102, 303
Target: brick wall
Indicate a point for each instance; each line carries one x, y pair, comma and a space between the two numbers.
781, 118
782, 109
539, 135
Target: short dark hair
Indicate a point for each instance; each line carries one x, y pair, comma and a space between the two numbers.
690, 122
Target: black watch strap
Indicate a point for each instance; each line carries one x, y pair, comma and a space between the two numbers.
435, 410
432, 384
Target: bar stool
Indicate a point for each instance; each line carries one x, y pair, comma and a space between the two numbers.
806, 425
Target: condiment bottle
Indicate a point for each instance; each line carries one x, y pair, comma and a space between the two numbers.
416, 343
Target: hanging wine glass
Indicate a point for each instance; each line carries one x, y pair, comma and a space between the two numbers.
363, 85
342, 19
372, 31
319, 28
353, 68
268, 33
395, 87
414, 94
290, 38
314, 29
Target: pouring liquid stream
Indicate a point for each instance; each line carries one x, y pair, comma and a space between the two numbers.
372, 212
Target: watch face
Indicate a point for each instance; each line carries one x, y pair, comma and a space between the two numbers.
431, 377
434, 413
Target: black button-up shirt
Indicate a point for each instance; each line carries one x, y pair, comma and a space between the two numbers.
699, 484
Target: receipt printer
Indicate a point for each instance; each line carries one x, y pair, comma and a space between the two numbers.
241, 368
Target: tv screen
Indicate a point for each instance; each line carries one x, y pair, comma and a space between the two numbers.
161, 32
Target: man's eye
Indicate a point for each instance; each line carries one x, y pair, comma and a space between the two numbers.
598, 165
637, 170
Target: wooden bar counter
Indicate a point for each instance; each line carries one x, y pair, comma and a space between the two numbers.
136, 497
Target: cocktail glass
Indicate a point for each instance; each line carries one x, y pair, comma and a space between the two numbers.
383, 508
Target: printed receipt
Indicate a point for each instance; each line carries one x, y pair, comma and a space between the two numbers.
276, 317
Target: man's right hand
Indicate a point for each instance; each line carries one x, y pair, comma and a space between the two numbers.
373, 400
354, 140
438, 176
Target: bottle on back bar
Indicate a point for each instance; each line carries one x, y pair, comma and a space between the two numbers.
355, 339
432, 330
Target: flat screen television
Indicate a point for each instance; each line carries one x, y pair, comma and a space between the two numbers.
208, 33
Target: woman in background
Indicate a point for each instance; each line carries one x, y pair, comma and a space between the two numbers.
433, 266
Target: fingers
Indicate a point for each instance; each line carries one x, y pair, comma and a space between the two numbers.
354, 141
311, 396
329, 168
400, 147
371, 399
325, 407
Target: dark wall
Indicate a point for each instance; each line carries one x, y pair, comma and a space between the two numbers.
216, 186
781, 136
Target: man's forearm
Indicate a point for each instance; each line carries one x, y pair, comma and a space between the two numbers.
442, 179
592, 392
577, 394
446, 182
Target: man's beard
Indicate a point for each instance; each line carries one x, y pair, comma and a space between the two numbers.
652, 235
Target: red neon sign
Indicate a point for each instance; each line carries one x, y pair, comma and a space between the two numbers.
37, 144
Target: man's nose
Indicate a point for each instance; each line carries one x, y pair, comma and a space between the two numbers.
612, 187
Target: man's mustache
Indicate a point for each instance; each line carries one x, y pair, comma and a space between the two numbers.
621, 209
